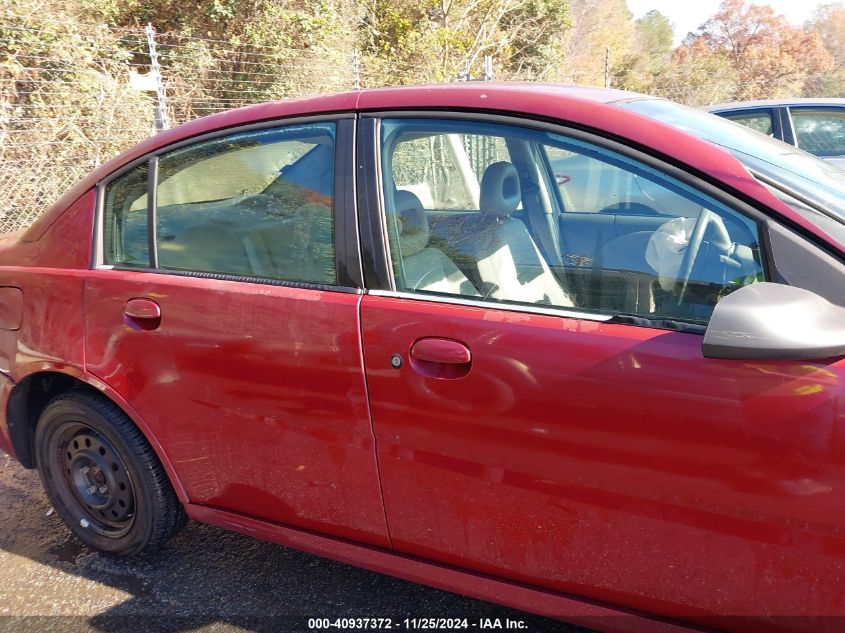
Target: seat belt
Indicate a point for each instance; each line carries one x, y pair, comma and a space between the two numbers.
541, 225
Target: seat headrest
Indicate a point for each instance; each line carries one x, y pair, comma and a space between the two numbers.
412, 223
500, 193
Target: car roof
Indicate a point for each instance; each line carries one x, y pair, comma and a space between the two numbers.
769, 103
579, 106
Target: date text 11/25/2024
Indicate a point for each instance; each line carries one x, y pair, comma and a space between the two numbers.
414, 624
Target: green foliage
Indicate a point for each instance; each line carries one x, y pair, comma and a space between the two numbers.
596, 26
641, 68
433, 40
829, 23
65, 106
66, 103
697, 77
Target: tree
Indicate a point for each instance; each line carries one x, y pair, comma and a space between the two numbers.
436, 38
829, 23
696, 75
653, 34
771, 57
596, 26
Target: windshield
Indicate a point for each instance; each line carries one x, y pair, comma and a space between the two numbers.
793, 171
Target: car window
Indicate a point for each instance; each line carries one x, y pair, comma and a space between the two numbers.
256, 204
819, 131
759, 120
444, 169
588, 184
125, 241
801, 173
567, 224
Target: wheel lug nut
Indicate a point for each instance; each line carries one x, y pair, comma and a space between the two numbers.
92, 490
84, 470
103, 490
95, 470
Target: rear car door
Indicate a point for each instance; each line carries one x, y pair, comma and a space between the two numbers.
224, 309
565, 430
820, 130
764, 120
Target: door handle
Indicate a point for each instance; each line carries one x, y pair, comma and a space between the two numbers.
441, 350
440, 358
142, 313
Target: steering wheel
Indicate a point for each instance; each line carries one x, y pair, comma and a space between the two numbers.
722, 241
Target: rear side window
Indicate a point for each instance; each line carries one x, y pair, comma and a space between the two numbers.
252, 204
125, 239
759, 120
819, 131
256, 204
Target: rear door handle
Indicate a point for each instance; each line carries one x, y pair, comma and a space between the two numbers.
441, 350
143, 313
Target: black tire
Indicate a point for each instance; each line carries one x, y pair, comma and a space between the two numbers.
103, 477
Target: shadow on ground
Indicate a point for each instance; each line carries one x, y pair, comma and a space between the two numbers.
206, 579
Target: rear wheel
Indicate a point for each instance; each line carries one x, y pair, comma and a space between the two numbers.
103, 477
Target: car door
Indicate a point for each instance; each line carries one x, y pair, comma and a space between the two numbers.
557, 439
223, 309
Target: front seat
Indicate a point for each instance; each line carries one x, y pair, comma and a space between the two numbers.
419, 266
510, 266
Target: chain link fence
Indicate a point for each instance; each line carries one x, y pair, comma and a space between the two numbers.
71, 100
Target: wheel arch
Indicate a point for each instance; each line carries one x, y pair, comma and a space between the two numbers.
34, 390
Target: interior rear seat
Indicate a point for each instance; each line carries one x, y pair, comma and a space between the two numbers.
295, 247
300, 243
509, 265
418, 265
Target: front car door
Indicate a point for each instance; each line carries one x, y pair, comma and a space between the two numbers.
553, 421
223, 310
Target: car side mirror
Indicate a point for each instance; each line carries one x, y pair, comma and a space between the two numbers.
768, 321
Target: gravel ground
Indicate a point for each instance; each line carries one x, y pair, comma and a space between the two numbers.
206, 579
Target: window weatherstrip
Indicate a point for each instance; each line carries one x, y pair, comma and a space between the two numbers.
561, 312
347, 253
375, 253
152, 194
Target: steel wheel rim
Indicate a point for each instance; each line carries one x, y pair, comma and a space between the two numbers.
95, 484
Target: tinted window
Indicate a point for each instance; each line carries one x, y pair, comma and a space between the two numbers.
759, 120
566, 224
818, 131
256, 204
125, 220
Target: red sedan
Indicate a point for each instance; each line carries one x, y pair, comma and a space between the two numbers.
543, 346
